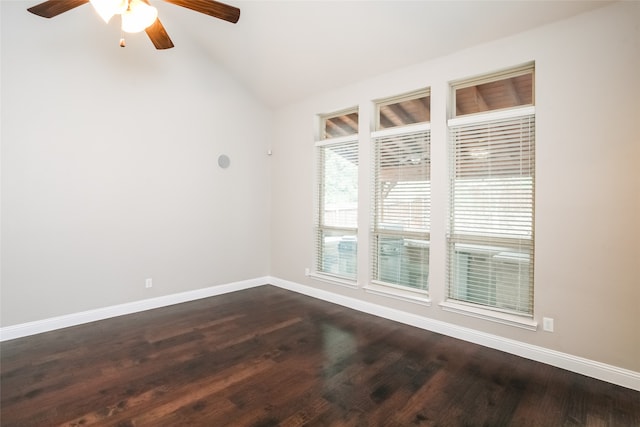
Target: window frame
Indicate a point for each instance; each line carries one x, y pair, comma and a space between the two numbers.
411, 96
377, 284
489, 118
490, 78
320, 227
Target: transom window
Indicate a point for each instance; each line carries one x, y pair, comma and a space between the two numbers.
402, 111
341, 124
505, 90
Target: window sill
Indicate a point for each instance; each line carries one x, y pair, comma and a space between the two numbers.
415, 296
333, 280
490, 315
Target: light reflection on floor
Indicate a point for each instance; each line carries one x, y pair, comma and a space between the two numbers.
338, 345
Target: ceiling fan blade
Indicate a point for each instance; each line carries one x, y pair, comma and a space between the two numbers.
52, 8
159, 36
210, 7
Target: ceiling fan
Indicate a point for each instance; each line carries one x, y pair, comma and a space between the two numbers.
139, 15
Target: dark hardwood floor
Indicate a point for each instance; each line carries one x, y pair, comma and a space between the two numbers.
269, 357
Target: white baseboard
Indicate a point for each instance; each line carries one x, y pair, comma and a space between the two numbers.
602, 371
53, 323
590, 368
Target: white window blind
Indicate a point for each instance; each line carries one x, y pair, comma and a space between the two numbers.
491, 233
402, 207
337, 207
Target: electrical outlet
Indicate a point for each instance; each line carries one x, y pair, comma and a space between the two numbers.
307, 272
547, 324
148, 283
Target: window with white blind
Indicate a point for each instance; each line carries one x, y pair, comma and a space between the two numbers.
491, 233
337, 196
401, 196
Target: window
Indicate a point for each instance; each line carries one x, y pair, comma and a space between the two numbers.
491, 234
401, 195
337, 196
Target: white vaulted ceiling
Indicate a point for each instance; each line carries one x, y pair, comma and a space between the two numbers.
284, 51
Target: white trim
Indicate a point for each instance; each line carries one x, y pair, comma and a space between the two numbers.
490, 315
397, 292
521, 70
507, 113
333, 280
337, 140
602, 371
401, 130
74, 319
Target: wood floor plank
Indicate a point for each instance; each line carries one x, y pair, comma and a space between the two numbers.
269, 357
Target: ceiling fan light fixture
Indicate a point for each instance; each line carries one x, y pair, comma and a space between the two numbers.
107, 8
138, 16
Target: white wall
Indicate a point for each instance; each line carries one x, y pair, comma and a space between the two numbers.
587, 273
110, 175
